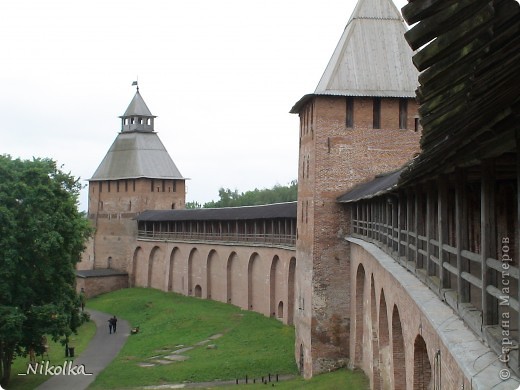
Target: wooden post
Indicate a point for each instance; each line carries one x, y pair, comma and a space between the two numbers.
389, 224
396, 218
401, 223
430, 221
461, 233
442, 220
409, 222
419, 222
355, 227
487, 239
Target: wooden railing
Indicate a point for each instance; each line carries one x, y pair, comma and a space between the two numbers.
482, 289
285, 240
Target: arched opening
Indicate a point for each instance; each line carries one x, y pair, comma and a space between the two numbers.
150, 269
422, 369
360, 312
194, 270
109, 262
155, 273
254, 293
176, 273
170, 273
280, 309
137, 263
209, 272
398, 353
385, 356
290, 291
272, 286
376, 379
250, 283
198, 291
216, 277
233, 280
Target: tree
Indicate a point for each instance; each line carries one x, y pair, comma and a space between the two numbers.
193, 205
277, 194
42, 236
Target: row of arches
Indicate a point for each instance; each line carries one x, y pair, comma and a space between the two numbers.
379, 345
254, 279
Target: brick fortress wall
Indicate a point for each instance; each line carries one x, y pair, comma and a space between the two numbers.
113, 205
339, 148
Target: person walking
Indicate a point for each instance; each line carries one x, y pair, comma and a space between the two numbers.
114, 323
110, 325
82, 299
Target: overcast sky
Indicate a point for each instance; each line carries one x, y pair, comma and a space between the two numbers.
220, 75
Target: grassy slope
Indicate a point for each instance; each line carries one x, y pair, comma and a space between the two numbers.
56, 357
251, 343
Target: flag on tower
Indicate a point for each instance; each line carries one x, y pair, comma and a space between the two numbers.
134, 83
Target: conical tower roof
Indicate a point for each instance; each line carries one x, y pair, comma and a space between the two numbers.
137, 151
372, 57
137, 107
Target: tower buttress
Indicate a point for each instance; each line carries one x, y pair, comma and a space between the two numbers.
359, 122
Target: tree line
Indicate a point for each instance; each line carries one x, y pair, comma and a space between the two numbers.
228, 198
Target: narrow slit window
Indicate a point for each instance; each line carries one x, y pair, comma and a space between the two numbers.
403, 113
350, 112
376, 114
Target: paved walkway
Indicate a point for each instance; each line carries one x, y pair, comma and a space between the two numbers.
101, 350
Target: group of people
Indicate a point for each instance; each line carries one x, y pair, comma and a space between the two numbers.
112, 325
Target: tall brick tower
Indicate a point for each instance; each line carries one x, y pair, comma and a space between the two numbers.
136, 174
360, 121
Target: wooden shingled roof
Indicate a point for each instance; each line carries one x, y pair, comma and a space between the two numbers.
269, 211
469, 93
371, 58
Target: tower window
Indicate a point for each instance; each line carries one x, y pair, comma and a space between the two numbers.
350, 112
403, 113
376, 114
417, 125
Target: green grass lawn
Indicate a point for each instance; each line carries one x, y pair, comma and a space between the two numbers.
245, 343
251, 344
56, 357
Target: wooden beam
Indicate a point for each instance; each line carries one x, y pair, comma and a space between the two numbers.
420, 9
487, 240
